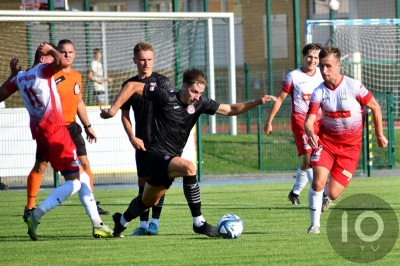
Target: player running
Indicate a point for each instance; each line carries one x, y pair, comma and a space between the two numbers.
337, 146
300, 84
175, 114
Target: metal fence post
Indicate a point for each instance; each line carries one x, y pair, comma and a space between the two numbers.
247, 86
199, 150
259, 137
369, 143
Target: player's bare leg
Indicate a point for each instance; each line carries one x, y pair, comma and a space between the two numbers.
332, 191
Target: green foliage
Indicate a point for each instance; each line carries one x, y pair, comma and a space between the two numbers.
226, 154
274, 234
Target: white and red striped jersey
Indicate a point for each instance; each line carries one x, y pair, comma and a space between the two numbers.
342, 110
300, 86
39, 93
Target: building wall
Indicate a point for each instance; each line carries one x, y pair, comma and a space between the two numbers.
252, 13
9, 4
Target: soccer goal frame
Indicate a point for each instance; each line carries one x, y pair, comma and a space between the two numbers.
366, 45
370, 53
176, 49
51, 17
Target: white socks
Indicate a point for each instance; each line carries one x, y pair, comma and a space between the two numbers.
301, 181
309, 175
123, 222
315, 205
144, 225
69, 188
154, 221
198, 221
56, 197
87, 199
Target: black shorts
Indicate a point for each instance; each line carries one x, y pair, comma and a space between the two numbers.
156, 165
140, 159
75, 131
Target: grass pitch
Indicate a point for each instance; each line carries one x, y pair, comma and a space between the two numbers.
274, 230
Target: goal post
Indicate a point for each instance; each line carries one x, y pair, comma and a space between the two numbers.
372, 44
180, 39
370, 52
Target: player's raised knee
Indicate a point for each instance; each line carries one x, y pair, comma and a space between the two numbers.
190, 168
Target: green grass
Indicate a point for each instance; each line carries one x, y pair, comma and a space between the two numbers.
274, 234
227, 154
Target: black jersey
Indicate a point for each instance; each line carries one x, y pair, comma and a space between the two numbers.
143, 108
173, 120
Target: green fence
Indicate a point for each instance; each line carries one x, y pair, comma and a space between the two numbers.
249, 153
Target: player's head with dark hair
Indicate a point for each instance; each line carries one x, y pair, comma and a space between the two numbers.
310, 57
194, 84
311, 47
64, 41
330, 50
38, 55
142, 46
192, 76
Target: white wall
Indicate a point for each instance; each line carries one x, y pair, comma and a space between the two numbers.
113, 153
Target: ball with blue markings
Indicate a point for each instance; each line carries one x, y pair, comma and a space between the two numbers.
230, 226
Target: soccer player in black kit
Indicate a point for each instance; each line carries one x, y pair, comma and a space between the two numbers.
143, 57
175, 114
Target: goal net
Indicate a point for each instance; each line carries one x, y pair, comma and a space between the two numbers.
180, 41
370, 51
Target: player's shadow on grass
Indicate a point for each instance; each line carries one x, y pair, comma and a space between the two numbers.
25, 238
364, 209
290, 207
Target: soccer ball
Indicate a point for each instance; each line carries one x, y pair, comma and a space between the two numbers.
334, 5
230, 226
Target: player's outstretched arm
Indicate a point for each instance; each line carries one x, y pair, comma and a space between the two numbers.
274, 109
137, 143
4, 94
377, 118
240, 108
124, 94
309, 129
